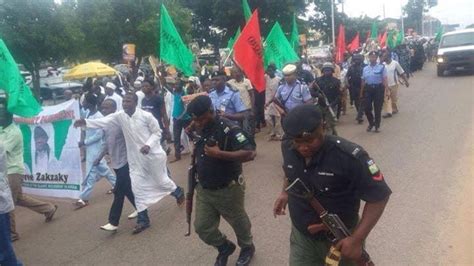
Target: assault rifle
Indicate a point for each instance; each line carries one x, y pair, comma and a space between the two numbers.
331, 221
192, 179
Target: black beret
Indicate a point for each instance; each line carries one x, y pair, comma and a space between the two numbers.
302, 119
199, 106
218, 73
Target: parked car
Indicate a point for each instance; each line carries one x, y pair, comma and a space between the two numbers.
456, 51
56, 91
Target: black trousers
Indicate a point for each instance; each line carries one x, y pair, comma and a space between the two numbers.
178, 126
123, 188
259, 108
373, 99
358, 102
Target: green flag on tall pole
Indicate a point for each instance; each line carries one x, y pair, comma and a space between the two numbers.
232, 40
391, 42
20, 101
172, 48
374, 31
438, 35
295, 36
399, 39
247, 11
277, 49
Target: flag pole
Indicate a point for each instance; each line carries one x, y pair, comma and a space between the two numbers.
227, 58
332, 22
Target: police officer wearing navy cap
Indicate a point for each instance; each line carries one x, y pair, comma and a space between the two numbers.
374, 85
220, 150
342, 174
225, 100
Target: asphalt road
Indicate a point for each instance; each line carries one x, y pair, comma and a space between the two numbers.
425, 153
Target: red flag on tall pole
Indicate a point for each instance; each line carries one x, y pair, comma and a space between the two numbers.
355, 44
383, 40
341, 45
248, 53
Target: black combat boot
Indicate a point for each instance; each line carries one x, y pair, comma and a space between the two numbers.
225, 250
246, 255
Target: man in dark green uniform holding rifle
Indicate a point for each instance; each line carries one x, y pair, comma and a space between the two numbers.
220, 149
326, 177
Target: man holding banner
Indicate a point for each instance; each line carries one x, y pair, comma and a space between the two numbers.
11, 137
93, 142
146, 157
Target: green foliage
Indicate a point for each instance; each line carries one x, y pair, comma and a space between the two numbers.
227, 15
414, 10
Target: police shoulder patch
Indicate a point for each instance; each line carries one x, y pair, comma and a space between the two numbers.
240, 137
373, 169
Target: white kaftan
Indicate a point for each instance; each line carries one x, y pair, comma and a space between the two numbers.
148, 173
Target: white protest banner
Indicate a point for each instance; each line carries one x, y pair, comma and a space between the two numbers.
51, 155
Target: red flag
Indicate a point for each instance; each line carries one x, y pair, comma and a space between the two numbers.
248, 53
383, 40
379, 38
355, 44
341, 45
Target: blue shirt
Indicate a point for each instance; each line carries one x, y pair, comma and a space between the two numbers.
299, 94
227, 101
374, 75
178, 106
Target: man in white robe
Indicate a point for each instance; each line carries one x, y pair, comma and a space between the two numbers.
146, 158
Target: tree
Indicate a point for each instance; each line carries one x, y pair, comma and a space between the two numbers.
35, 32
322, 18
414, 10
112, 23
216, 21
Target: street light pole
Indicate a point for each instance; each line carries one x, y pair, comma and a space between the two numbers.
332, 22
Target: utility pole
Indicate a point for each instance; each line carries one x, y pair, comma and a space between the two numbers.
401, 17
332, 23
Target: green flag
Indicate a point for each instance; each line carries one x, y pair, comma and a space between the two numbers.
21, 101
247, 11
232, 40
374, 31
294, 37
439, 33
277, 49
391, 42
172, 49
399, 39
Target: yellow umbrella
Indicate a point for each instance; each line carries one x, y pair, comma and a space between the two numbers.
90, 70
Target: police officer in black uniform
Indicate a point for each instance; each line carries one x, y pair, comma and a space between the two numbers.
354, 78
220, 151
342, 174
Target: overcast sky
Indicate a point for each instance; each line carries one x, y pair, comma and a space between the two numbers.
448, 11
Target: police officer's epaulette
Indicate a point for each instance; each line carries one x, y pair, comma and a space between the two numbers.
346, 146
226, 125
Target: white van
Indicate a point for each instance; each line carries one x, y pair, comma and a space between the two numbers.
456, 51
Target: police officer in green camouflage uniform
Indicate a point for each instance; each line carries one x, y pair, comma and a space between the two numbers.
220, 150
330, 88
341, 174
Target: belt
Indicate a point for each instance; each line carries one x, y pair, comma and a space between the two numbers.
374, 85
231, 183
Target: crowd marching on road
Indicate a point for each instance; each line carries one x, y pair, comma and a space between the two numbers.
130, 127
222, 121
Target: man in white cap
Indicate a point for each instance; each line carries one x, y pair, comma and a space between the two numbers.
111, 94
292, 92
138, 90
